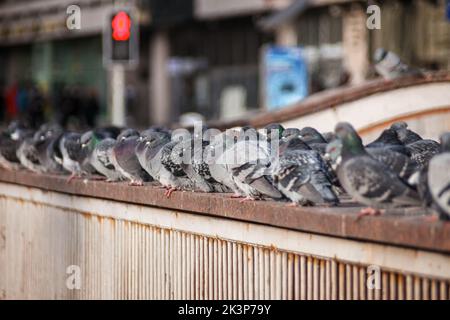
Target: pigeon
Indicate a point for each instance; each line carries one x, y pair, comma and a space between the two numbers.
314, 139
125, 160
218, 163
170, 160
421, 150
148, 151
434, 181
46, 143
388, 140
328, 136
156, 159
72, 154
101, 159
250, 171
367, 180
390, 66
397, 162
191, 153
301, 174
10, 140
317, 144
28, 155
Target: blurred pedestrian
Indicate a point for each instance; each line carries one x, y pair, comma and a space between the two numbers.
11, 102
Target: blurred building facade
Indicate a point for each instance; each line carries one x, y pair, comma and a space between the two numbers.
205, 55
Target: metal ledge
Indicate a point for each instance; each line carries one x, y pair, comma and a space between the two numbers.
401, 227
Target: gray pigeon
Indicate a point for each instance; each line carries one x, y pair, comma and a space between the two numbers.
314, 139
301, 174
397, 162
191, 153
434, 181
367, 180
125, 160
421, 150
217, 162
154, 157
170, 160
390, 66
250, 170
101, 160
72, 153
388, 140
28, 155
10, 141
46, 143
316, 142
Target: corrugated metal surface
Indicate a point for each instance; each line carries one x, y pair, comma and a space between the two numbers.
120, 258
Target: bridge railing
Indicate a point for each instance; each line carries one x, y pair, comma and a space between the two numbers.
91, 239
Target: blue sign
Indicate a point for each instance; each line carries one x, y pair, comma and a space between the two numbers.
448, 10
286, 76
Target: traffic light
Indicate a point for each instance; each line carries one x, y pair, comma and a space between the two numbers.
121, 39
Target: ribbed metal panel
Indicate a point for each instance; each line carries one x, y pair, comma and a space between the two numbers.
122, 259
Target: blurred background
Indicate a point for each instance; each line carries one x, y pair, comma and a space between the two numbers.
214, 58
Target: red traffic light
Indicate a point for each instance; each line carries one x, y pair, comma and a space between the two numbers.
121, 24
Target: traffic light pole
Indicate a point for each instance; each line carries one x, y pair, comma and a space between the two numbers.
117, 94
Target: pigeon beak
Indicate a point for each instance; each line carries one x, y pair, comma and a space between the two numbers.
327, 156
15, 135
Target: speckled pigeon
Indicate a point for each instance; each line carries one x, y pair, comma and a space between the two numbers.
154, 153
301, 174
434, 180
250, 170
421, 150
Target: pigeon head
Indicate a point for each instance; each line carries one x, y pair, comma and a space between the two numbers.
351, 141
293, 143
445, 142
270, 128
399, 125
388, 137
311, 135
404, 134
151, 140
248, 133
290, 132
89, 140
127, 133
379, 55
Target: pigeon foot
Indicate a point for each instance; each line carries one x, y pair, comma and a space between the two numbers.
292, 204
368, 212
71, 177
247, 199
236, 196
136, 183
169, 191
